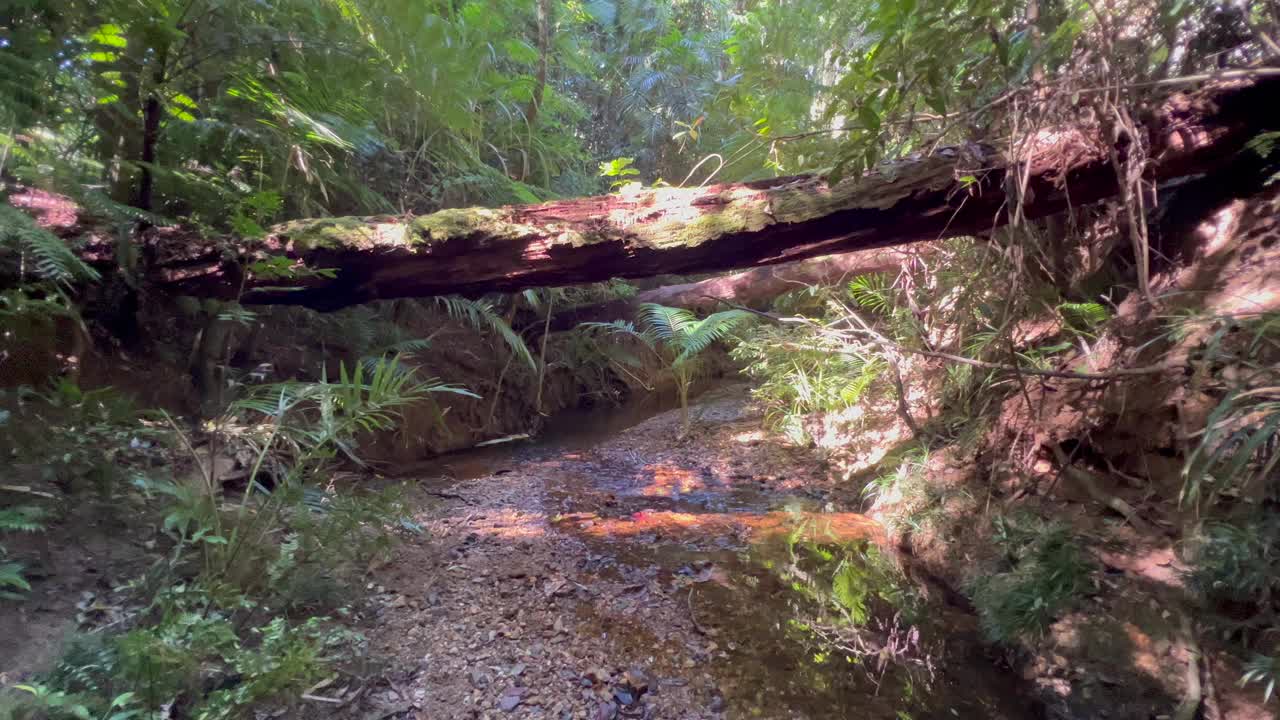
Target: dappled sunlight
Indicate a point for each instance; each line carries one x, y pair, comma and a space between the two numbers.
754, 527
671, 481
1219, 231
509, 525
1144, 656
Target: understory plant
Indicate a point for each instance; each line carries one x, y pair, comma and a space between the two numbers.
20, 518
294, 431
799, 372
206, 655
675, 337
852, 603
1238, 452
222, 634
1043, 571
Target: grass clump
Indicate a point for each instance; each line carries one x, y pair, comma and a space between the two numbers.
1236, 563
1044, 572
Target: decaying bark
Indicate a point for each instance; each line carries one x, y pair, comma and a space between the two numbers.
955, 191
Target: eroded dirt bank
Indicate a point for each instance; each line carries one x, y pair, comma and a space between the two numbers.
662, 576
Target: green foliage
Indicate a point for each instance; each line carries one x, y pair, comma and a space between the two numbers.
1044, 572
1235, 562
294, 430
21, 518
800, 371
619, 169
483, 317
1083, 318
253, 211
676, 336
81, 438
32, 253
333, 537
195, 653
875, 292
1262, 670
1237, 453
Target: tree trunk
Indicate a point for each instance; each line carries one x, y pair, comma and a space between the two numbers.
955, 191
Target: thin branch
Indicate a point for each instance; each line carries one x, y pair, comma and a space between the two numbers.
1061, 374
770, 318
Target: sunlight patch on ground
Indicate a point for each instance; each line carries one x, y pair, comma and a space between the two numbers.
510, 525
818, 527
671, 481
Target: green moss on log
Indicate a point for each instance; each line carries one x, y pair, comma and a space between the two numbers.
330, 233
462, 222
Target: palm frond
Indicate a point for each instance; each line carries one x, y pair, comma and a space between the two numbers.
623, 327
705, 332
482, 316
667, 323
873, 291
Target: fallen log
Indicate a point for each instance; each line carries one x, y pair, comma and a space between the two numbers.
955, 191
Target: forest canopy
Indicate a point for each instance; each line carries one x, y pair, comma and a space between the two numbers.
233, 115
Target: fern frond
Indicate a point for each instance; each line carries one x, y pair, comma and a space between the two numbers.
11, 577
43, 254
1083, 317
623, 327
23, 518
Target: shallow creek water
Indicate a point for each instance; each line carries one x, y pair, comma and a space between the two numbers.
815, 617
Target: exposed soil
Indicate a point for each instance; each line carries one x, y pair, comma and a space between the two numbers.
81, 562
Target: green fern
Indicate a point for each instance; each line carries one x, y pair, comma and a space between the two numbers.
1046, 572
22, 518
39, 253
676, 336
11, 577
